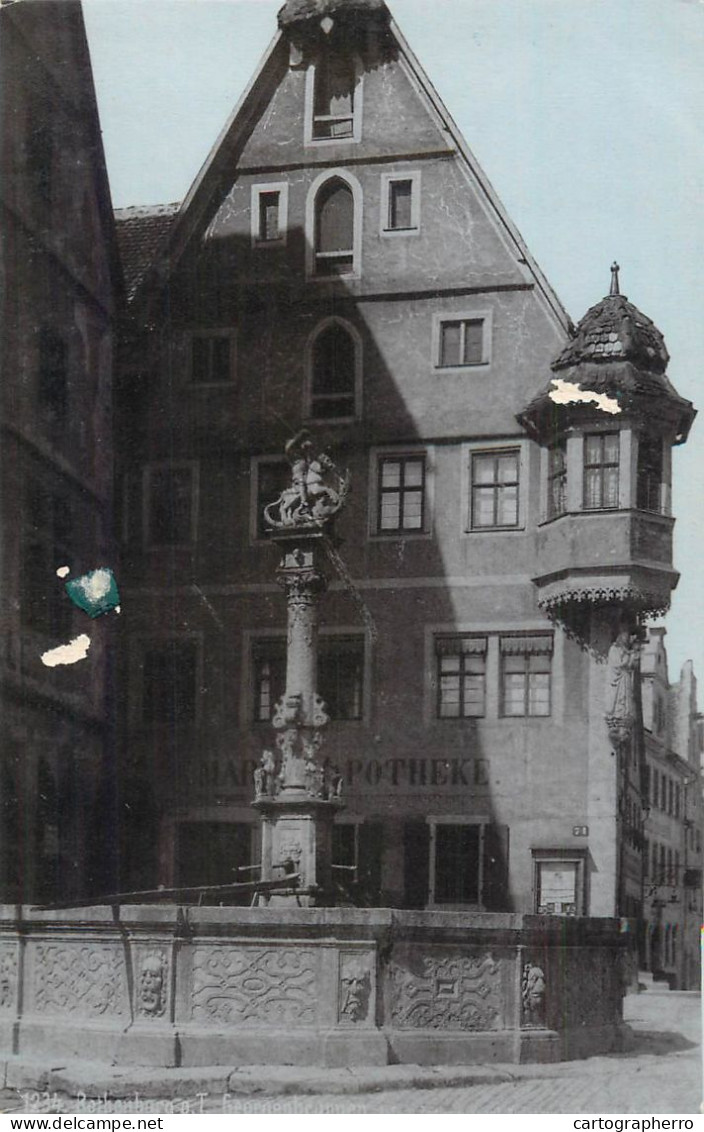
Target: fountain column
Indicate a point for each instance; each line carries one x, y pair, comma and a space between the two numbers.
297, 790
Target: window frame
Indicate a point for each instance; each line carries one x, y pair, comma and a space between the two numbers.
446, 820
147, 488
461, 715
315, 188
496, 486
310, 118
440, 318
577, 857
139, 646
258, 190
644, 475
602, 466
560, 475
387, 180
208, 334
526, 653
309, 358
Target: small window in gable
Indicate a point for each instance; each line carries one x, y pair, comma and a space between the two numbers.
333, 379
334, 229
400, 203
461, 342
212, 358
334, 95
269, 208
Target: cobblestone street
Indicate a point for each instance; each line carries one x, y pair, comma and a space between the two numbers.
661, 1075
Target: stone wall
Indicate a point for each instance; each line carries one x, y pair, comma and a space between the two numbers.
166, 985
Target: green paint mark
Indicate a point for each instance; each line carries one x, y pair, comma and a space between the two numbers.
95, 593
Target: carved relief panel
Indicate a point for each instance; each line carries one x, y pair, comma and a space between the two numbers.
253, 985
452, 992
79, 978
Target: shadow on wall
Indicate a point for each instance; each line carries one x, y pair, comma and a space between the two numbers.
307, 354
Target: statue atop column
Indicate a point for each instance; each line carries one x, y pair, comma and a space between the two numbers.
317, 490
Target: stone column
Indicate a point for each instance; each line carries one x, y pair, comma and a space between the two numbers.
297, 790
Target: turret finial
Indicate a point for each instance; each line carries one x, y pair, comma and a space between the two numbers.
614, 289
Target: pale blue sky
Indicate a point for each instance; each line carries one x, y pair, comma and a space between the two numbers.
586, 115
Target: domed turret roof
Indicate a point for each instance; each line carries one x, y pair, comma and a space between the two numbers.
618, 352
615, 330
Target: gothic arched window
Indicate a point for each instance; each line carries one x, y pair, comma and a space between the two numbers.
333, 372
334, 229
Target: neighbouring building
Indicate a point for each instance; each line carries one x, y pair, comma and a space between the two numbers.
673, 819
342, 263
58, 278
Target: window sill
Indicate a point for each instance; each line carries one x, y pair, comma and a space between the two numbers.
494, 530
413, 231
667, 520
464, 367
390, 536
279, 242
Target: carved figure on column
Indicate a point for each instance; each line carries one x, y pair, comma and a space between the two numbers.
265, 775
317, 490
621, 665
533, 995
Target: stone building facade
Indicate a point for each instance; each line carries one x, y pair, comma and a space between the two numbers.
58, 277
673, 819
342, 263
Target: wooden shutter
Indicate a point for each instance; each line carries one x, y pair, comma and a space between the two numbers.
495, 891
371, 845
416, 863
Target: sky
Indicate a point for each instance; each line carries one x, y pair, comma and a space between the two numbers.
586, 115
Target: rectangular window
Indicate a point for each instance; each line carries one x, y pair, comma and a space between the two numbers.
461, 677
400, 204
340, 677
526, 667
169, 682
47, 543
494, 490
333, 97
461, 342
211, 359
649, 487
170, 505
557, 887
601, 462
269, 216
457, 862
269, 213
557, 480
401, 487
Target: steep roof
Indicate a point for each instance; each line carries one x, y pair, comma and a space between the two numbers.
195, 208
141, 233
